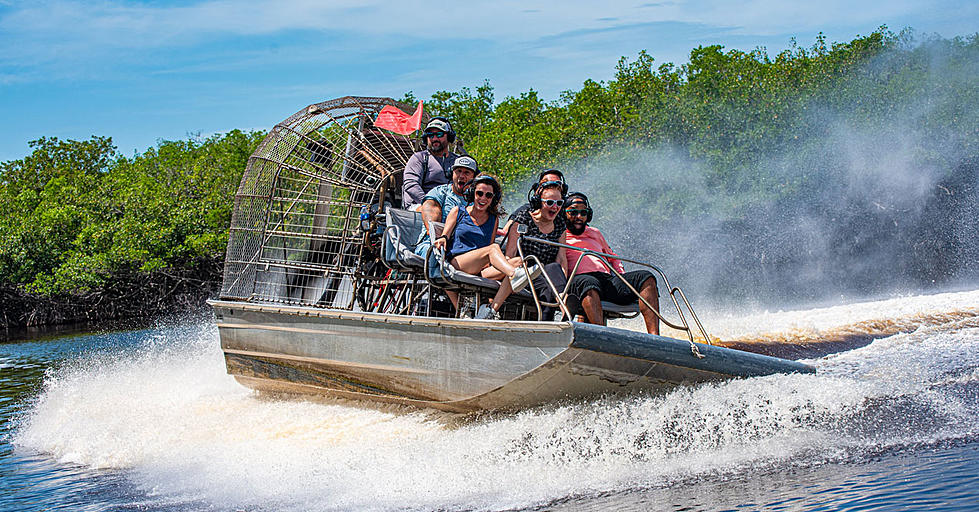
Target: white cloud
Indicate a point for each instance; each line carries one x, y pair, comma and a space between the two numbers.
130, 25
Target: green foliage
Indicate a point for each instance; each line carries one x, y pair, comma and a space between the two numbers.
724, 108
74, 213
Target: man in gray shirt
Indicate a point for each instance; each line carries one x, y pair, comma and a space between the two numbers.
427, 169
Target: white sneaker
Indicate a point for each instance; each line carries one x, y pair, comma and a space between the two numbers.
521, 278
486, 313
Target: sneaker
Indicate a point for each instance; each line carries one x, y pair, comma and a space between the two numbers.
521, 278
486, 313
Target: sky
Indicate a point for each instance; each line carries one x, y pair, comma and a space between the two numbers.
141, 72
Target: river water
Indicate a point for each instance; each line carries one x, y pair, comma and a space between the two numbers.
149, 420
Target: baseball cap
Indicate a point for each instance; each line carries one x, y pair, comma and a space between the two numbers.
438, 125
468, 162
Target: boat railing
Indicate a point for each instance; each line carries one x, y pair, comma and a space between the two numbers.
676, 294
529, 260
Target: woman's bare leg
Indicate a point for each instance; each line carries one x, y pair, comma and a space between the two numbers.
474, 261
505, 290
492, 273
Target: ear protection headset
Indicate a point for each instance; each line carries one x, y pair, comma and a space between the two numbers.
470, 192
578, 195
535, 200
533, 195
450, 135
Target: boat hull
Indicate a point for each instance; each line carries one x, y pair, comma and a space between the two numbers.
460, 365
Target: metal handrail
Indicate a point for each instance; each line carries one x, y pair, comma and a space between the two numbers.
603, 257
523, 264
533, 291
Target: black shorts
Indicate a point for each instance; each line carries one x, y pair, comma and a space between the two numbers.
609, 287
556, 273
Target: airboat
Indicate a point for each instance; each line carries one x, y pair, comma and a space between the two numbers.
323, 294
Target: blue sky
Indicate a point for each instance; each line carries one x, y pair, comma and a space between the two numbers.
144, 71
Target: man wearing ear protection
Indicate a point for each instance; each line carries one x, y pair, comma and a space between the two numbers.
430, 168
440, 200
593, 282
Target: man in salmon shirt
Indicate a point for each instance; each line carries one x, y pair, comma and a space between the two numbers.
592, 281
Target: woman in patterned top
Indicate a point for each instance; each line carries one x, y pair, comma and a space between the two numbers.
544, 221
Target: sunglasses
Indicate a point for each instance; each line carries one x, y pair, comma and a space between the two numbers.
438, 134
480, 193
553, 202
572, 213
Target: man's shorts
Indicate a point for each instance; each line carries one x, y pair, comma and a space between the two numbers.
609, 287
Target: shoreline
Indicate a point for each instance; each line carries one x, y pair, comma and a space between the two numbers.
132, 297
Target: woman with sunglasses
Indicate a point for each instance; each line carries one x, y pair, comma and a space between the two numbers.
543, 220
473, 251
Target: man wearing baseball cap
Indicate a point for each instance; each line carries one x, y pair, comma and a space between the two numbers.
593, 282
427, 169
440, 200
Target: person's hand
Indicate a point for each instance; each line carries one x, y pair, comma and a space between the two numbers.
439, 243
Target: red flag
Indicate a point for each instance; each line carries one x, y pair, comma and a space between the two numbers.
392, 118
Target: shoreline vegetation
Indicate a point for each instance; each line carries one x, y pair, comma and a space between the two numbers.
87, 234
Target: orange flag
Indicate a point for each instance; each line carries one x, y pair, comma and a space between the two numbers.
392, 118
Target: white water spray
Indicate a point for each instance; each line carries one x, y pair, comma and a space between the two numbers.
166, 413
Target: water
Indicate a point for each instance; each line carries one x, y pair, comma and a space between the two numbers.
148, 420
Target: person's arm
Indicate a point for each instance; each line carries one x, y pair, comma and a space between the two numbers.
616, 264
431, 212
450, 226
412, 188
506, 228
562, 254
511, 238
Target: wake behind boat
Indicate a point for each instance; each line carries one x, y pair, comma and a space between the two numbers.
324, 294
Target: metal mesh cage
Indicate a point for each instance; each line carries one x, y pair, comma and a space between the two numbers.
295, 232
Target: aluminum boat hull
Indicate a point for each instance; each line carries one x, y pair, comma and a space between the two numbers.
461, 365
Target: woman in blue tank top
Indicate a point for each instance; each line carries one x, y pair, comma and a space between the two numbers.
473, 250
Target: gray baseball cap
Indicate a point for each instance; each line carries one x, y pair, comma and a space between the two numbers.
468, 162
438, 124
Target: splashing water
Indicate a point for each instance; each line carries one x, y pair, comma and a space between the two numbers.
165, 412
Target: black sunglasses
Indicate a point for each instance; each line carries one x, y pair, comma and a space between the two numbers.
572, 213
480, 193
435, 134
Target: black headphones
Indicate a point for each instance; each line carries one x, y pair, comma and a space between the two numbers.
450, 134
470, 192
578, 195
535, 201
533, 195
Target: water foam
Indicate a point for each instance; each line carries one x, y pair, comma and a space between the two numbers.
833, 324
167, 414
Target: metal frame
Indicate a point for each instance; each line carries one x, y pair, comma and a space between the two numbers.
603, 257
295, 235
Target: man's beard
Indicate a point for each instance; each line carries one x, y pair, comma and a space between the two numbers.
574, 229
